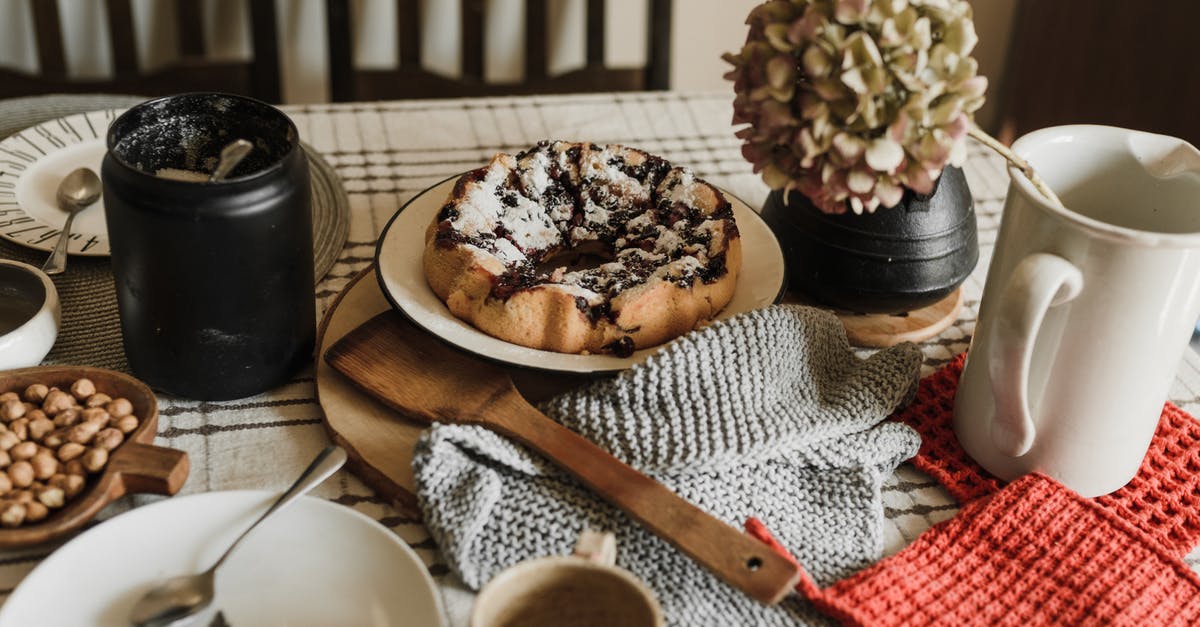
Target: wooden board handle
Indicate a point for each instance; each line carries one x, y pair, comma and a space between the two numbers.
149, 469
738, 559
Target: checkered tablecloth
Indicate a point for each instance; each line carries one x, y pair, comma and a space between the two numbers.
388, 152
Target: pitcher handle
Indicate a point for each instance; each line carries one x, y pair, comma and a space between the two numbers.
1039, 282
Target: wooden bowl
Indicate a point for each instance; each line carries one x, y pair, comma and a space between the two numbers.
136, 466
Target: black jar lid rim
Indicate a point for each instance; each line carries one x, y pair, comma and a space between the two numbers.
293, 138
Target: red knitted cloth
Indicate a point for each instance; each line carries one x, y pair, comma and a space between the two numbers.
1034, 552
1163, 499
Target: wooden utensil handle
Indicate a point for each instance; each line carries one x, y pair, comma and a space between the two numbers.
149, 469
738, 559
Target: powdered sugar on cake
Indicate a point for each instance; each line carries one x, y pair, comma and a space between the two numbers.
654, 222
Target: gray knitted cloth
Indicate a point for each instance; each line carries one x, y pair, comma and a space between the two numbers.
768, 414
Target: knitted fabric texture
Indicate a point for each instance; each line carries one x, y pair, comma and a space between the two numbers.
1034, 553
1163, 499
767, 414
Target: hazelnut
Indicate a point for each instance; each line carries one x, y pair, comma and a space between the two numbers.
75, 468
56, 401
35, 512
8, 439
44, 465
5, 459
109, 439
9, 396
52, 497
55, 438
127, 423
70, 451
94, 459
5, 483
23, 451
21, 474
82, 389
39, 427
36, 393
12, 515
67, 417
119, 407
74, 485
96, 413
11, 409
35, 414
20, 428
83, 432
99, 399
22, 496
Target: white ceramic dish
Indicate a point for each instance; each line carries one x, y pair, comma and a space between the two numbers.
29, 315
33, 161
402, 279
314, 563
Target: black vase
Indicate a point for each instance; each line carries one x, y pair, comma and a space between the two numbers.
893, 260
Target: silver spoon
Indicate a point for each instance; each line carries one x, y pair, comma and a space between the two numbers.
180, 597
77, 190
231, 155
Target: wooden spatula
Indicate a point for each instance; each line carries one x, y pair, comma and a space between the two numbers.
426, 380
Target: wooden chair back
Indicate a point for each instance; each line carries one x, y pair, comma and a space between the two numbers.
193, 71
411, 80
1109, 62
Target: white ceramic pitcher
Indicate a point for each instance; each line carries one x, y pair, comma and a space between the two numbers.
1086, 311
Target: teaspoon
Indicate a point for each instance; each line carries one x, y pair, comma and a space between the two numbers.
231, 155
182, 596
77, 190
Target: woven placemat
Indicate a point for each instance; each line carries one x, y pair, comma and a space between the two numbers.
90, 332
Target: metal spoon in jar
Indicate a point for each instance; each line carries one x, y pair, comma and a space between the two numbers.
231, 155
182, 596
76, 192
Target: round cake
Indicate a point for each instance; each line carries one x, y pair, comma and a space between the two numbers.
509, 251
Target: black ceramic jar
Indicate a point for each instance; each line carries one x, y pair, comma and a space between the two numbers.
891, 261
214, 280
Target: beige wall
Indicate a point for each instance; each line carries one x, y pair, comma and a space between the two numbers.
702, 30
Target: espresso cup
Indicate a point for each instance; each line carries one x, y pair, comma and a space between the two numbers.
1086, 310
214, 280
584, 589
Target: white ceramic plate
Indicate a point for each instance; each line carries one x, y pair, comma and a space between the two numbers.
314, 563
32, 162
402, 279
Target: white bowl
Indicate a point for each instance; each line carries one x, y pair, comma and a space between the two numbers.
29, 315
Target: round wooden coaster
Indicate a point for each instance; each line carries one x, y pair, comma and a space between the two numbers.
883, 330
377, 439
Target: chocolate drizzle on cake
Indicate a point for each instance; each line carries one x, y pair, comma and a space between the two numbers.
651, 220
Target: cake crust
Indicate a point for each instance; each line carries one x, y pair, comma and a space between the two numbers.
670, 246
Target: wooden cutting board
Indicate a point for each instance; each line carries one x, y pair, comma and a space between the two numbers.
379, 440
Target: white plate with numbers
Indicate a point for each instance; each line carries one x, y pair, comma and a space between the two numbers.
32, 162
314, 563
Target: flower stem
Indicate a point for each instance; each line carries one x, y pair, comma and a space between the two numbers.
1021, 164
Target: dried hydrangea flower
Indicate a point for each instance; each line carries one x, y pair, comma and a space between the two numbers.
852, 101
